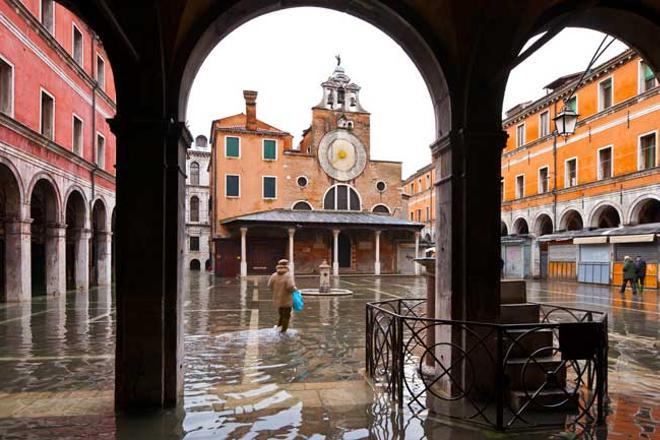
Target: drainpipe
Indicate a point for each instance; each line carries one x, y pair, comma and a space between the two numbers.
554, 186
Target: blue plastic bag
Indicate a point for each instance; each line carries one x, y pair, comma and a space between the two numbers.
298, 303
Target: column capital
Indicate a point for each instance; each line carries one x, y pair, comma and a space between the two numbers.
244, 230
377, 231
336, 231
291, 231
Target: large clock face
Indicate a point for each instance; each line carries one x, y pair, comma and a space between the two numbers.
341, 155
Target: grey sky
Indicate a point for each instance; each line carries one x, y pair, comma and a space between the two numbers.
285, 56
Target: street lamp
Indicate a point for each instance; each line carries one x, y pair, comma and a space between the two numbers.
565, 122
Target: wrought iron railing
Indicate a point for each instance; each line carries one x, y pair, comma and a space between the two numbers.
503, 376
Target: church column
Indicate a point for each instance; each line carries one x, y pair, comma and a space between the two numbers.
82, 259
417, 234
377, 252
335, 252
18, 260
292, 232
243, 252
56, 259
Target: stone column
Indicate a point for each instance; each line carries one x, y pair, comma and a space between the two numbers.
151, 154
81, 269
104, 246
18, 254
243, 252
335, 252
417, 266
291, 232
377, 254
56, 259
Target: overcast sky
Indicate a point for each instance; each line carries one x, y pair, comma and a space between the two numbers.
286, 55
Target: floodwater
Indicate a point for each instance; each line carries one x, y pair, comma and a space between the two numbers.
244, 380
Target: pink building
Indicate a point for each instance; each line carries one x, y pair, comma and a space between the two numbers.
57, 154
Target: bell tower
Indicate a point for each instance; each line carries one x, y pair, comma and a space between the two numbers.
339, 109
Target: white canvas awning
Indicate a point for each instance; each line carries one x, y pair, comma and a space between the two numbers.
644, 238
589, 240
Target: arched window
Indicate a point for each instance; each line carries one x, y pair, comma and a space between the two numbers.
380, 209
194, 173
342, 197
194, 209
302, 206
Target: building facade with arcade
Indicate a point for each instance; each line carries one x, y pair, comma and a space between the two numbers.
57, 154
573, 207
326, 199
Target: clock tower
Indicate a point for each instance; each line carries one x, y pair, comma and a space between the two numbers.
340, 133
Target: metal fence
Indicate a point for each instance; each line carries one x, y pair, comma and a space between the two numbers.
502, 376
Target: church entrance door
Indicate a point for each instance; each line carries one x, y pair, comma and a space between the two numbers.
344, 250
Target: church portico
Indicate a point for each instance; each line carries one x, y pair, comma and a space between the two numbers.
352, 243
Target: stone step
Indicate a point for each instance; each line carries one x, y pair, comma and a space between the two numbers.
519, 313
536, 373
547, 400
527, 342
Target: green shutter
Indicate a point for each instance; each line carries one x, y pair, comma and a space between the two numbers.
648, 73
270, 150
232, 148
269, 188
232, 186
572, 104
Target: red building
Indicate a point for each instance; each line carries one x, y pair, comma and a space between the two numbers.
57, 154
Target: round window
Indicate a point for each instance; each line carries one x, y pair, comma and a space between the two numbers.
302, 181
380, 186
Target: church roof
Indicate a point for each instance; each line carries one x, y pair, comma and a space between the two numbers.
317, 218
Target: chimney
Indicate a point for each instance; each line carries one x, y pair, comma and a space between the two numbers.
250, 109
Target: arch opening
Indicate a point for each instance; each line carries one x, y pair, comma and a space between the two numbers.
606, 216
195, 265
99, 272
10, 202
381, 209
76, 244
504, 231
647, 211
520, 227
302, 205
572, 221
543, 225
43, 245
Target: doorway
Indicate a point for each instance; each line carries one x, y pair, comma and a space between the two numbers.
344, 250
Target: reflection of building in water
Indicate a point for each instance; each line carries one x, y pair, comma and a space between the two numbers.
325, 200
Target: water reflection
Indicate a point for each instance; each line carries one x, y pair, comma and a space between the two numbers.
244, 380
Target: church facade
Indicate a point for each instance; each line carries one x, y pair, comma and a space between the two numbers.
325, 199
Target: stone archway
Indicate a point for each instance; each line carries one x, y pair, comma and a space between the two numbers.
543, 225
520, 227
11, 265
100, 262
605, 216
572, 221
77, 238
504, 231
47, 259
646, 211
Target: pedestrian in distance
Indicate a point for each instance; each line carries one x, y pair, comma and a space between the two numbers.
629, 275
282, 285
640, 269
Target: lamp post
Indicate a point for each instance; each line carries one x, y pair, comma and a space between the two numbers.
565, 123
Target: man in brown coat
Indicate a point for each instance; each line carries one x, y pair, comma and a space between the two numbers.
282, 285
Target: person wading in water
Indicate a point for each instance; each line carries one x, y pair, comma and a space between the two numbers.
282, 285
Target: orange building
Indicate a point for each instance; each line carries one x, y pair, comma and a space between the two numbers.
324, 200
573, 209
421, 202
